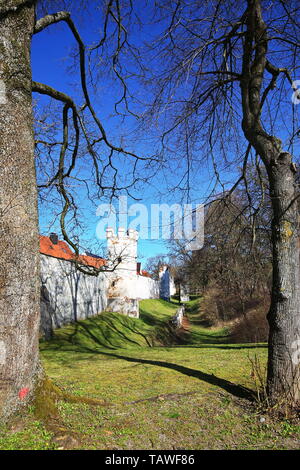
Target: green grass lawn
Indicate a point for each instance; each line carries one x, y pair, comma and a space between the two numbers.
192, 394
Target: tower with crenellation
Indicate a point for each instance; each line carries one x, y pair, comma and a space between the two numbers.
122, 251
122, 294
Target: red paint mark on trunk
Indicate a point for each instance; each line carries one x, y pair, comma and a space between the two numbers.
23, 392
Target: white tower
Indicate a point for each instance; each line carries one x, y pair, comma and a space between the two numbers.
122, 251
122, 257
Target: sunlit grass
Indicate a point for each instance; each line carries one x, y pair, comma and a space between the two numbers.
185, 396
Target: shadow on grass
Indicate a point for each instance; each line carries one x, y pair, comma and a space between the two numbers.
222, 346
104, 339
199, 337
236, 390
150, 320
110, 332
159, 317
113, 333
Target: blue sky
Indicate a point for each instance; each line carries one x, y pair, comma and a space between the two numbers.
50, 62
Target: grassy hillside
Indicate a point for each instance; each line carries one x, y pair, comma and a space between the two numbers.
113, 331
186, 396
198, 332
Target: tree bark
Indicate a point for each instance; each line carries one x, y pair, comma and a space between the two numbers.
19, 249
284, 317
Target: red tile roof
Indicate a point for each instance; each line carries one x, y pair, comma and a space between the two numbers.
63, 251
144, 273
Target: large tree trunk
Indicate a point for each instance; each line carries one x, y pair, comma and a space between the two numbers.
19, 252
284, 315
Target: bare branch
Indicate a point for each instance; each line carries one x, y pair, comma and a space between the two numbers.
48, 20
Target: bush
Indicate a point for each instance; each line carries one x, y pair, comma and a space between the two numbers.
253, 327
218, 307
247, 321
195, 296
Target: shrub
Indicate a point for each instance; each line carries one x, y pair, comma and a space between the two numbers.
246, 319
253, 327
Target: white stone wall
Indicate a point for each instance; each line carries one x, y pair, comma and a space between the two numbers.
69, 295
128, 307
167, 285
147, 288
133, 287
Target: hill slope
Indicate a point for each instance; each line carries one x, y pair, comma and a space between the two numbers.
178, 397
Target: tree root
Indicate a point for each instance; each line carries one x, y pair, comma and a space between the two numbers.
47, 395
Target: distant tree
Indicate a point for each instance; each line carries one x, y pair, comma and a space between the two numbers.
155, 263
234, 257
221, 67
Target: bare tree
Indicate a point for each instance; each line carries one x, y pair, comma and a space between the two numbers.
79, 134
232, 268
219, 66
222, 67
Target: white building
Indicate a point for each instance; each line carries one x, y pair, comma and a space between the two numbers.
127, 285
166, 283
69, 295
